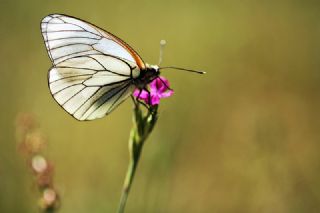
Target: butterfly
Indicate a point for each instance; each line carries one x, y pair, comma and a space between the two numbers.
93, 70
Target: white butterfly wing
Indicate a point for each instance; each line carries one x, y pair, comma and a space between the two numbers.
85, 89
93, 70
66, 37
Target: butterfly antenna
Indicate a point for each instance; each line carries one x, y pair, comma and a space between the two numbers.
162, 45
183, 69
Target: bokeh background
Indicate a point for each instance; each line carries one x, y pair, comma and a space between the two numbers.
244, 137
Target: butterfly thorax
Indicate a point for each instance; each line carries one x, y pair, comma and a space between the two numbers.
146, 76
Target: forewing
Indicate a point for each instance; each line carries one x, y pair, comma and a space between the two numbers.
90, 87
67, 37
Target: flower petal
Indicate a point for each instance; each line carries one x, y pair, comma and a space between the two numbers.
159, 85
155, 99
159, 88
144, 95
166, 94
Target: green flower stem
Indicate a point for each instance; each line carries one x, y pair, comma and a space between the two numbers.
143, 124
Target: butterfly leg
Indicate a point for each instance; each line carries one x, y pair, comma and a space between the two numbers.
136, 100
149, 95
165, 84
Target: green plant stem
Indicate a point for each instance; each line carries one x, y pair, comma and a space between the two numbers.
127, 182
143, 125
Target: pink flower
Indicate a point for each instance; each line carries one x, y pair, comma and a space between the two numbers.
159, 88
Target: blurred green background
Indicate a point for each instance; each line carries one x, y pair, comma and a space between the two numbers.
244, 137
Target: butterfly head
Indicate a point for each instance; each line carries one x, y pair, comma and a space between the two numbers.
151, 71
152, 68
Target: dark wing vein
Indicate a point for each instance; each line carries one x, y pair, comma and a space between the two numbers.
72, 96
72, 76
104, 101
57, 39
113, 104
47, 43
67, 45
71, 85
66, 55
112, 89
105, 69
